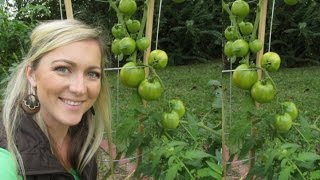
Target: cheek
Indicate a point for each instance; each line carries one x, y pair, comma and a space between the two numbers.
94, 91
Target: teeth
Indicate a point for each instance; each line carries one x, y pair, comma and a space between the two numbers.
72, 103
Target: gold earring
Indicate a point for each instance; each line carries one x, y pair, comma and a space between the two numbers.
30, 104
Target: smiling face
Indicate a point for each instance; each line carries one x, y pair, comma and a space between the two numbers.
67, 82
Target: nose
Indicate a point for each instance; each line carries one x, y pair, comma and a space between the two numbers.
78, 85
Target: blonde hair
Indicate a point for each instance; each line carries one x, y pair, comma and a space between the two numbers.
45, 38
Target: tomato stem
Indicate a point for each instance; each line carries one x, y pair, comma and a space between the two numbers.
155, 74
143, 21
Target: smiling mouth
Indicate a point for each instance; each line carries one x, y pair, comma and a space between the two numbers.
70, 102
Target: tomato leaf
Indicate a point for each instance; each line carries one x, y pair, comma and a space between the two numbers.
172, 172
285, 173
196, 154
207, 172
315, 175
216, 168
308, 156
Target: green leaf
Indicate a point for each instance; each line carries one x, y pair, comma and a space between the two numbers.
215, 167
172, 172
207, 172
285, 173
315, 175
308, 156
196, 154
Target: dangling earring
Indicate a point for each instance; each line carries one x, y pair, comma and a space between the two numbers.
30, 104
92, 111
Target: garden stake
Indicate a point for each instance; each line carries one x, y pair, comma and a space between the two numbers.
69, 12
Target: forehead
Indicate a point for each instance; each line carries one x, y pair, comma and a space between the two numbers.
83, 52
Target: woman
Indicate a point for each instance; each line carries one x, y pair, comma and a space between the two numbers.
56, 107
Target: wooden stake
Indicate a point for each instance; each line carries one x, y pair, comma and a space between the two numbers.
68, 7
148, 34
261, 36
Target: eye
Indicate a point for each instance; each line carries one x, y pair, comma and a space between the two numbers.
94, 75
62, 69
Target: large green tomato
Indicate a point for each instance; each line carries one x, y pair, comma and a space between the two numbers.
115, 47
263, 91
255, 45
127, 7
291, 109
270, 61
283, 123
240, 48
118, 31
177, 106
240, 8
244, 77
143, 43
227, 49
133, 26
131, 75
230, 33
170, 120
246, 28
150, 90
127, 45
158, 59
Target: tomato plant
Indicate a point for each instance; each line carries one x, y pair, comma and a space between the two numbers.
227, 49
230, 33
115, 47
118, 31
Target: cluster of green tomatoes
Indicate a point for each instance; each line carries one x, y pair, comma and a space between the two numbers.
240, 44
127, 43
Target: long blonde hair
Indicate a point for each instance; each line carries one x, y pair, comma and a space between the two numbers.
45, 38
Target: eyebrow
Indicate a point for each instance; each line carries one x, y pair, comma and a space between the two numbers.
73, 64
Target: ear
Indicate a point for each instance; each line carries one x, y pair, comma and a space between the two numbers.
31, 77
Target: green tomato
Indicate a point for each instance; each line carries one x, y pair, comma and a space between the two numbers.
240, 48
127, 45
263, 91
255, 45
291, 109
246, 28
115, 47
150, 90
127, 7
244, 77
170, 120
177, 106
118, 31
133, 26
131, 75
143, 43
230, 33
240, 8
283, 123
158, 59
270, 61
227, 49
